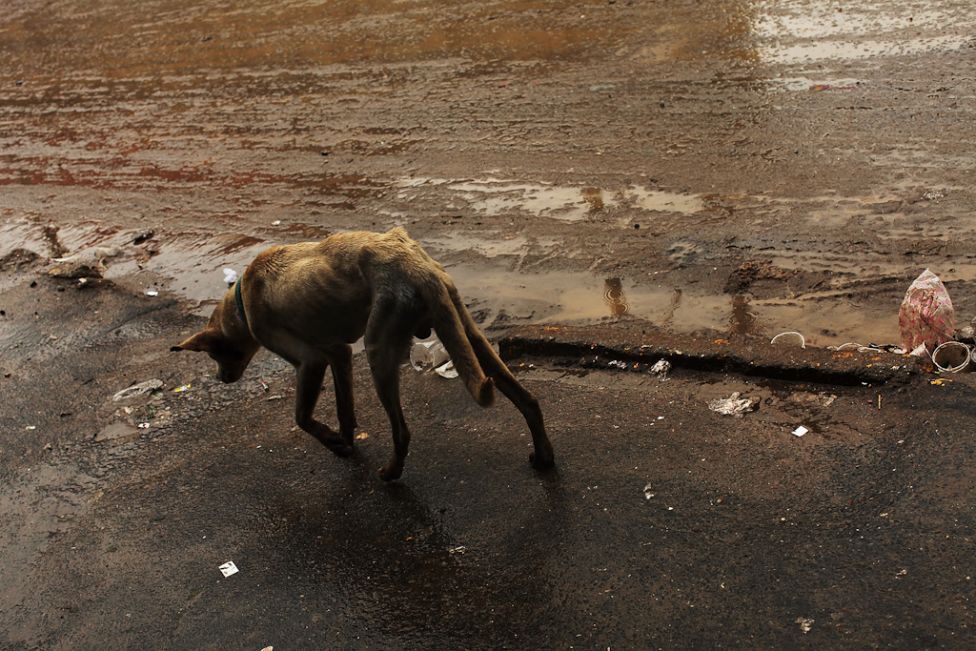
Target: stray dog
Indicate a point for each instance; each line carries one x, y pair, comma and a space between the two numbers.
308, 302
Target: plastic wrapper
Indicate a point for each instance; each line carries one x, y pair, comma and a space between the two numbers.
926, 316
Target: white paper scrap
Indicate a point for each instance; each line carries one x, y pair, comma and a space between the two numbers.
228, 569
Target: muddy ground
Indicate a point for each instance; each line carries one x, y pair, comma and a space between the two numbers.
720, 171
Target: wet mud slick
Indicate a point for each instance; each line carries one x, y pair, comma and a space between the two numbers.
723, 171
666, 144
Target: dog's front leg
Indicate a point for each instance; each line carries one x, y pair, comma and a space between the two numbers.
345, 405
310, 376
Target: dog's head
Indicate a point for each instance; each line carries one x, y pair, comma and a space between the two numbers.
226, 339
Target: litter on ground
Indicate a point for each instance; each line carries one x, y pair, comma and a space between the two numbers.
803, 341
952, 357
431, 355
733, 405
141, 389
661, 368
228, 569
926, 315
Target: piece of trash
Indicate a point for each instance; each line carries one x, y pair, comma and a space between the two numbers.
805, 624
230, 276
362, 436
426, 355
31, 428
939, 382
921, 351
869, 348
618, 364
143, 425
952, 357
265, 386
151, 292
648, 492
460, 549
430, 356
733, 405
276, 222
182, 388
140, 389
268, 648
803, 341
228, 569
799, 431
447, 371
926, 315
662, 368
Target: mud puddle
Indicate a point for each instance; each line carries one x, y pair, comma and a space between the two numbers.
190, 265
582, 297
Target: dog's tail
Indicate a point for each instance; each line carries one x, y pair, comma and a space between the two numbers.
442, 300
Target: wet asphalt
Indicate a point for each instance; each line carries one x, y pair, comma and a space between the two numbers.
665, 525
721, 170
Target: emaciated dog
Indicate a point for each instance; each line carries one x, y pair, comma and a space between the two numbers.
308, 302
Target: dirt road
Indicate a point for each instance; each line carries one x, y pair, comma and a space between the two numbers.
721, 171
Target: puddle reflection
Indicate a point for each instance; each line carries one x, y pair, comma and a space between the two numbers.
613, 295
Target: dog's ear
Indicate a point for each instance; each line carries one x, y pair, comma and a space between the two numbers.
201, 341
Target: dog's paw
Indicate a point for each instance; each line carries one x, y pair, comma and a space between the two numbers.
336, 444
542, 461
340, 448
391, 471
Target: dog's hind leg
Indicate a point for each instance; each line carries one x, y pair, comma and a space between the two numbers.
542, 458
341, 359
493, 366
310, 376
388, 333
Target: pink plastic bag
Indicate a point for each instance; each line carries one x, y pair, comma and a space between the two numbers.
926, 315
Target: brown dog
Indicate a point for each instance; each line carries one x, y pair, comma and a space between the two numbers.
308, 302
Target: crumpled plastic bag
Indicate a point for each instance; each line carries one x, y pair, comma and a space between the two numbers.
432, 356
926, 317
733, 405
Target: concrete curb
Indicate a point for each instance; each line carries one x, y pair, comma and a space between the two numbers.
641, 346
